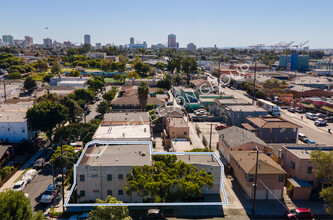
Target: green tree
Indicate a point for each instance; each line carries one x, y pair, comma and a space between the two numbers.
84, 96
117, 77
67, 159
73, 107
189, 65
14, 205
15, 75
164, 83
74, 73
109, 96
29, 84
45, 116
143, 92
103, 107
41, 66
133, 74
167, 172
323, 169
97, 83
56, 68
109, 212
47, 78
122, 59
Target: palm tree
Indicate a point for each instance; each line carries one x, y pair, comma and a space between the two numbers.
143, 92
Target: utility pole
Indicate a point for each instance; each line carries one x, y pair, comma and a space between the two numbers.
254, 81
4, 89
62, 181
255, 184
210, 136
84, 114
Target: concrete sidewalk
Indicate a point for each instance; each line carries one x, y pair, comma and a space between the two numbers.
10, 183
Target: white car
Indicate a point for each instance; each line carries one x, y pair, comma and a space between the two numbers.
320, 122
29, 175
20, 185
82, 216
48, 195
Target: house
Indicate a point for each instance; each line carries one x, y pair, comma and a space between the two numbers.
176, 128
124, 126
14, 126
94, 55
13, 89
273, 129
204, 86
168, 111
105, 174
238, 139
132, 103
295, 159
221, 104
270, 179
237, 114
136, 82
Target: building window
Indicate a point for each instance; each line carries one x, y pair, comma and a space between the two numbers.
120, 192
281, 178
82, 193
82, 178
282, 156
309, 170
185, 133
209, 173
120, 176
292, 165
109, 177
109, 192
283, 130
23, 130
8, 129
249, 178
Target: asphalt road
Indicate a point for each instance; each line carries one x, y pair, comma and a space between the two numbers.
37, 186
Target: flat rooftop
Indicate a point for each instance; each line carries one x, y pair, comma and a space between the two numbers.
118, 132
117, 155
233, 102
199, 159
181, 145
304, 152
177, 122
126, 118
246, 108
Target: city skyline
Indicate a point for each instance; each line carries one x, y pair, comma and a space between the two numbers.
226, 24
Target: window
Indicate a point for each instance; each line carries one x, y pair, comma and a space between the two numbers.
82, 177
250, 178
282, 156
8, 129
309, 170
23, 130
109, 192
292, 165
82, 193
281, 178
185, 133
209, 173
120, 192
109, 177
120, 176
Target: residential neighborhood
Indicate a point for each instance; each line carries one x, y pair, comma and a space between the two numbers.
138, 129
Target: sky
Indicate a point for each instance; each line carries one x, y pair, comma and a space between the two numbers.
232, 23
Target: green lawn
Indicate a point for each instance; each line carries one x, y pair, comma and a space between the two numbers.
110, 80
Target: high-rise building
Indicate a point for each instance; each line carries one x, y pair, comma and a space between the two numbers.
47, 43
294, 62
87, 39
132, 40
172, 41
28, 41
8, 39
191, 46
98, 45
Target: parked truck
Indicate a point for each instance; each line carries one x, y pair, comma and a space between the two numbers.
270, 107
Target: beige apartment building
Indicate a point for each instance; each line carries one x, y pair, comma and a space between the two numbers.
176, 128
271, 176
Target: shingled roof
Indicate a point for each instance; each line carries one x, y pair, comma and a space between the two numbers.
272, 122
235, 136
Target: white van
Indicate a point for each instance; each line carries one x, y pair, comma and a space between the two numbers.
311, 116
302, 137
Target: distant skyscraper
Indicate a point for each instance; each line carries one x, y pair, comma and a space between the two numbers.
28, 41
132, 40
47, 43
172, 41
87, 39
98, 45
191, 46
8, 39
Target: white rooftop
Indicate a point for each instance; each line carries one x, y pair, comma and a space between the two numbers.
123, 132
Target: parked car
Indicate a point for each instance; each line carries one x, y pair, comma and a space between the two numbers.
292, 110
320, 122
39, 163
29, 175
82, 216
48, 195
320, 115
299, 213
299, 110
155, 214
311, 116
220, 127
329, 119
20, 185
309, 141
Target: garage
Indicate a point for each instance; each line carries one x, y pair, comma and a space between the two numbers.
261, 194
277, 194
